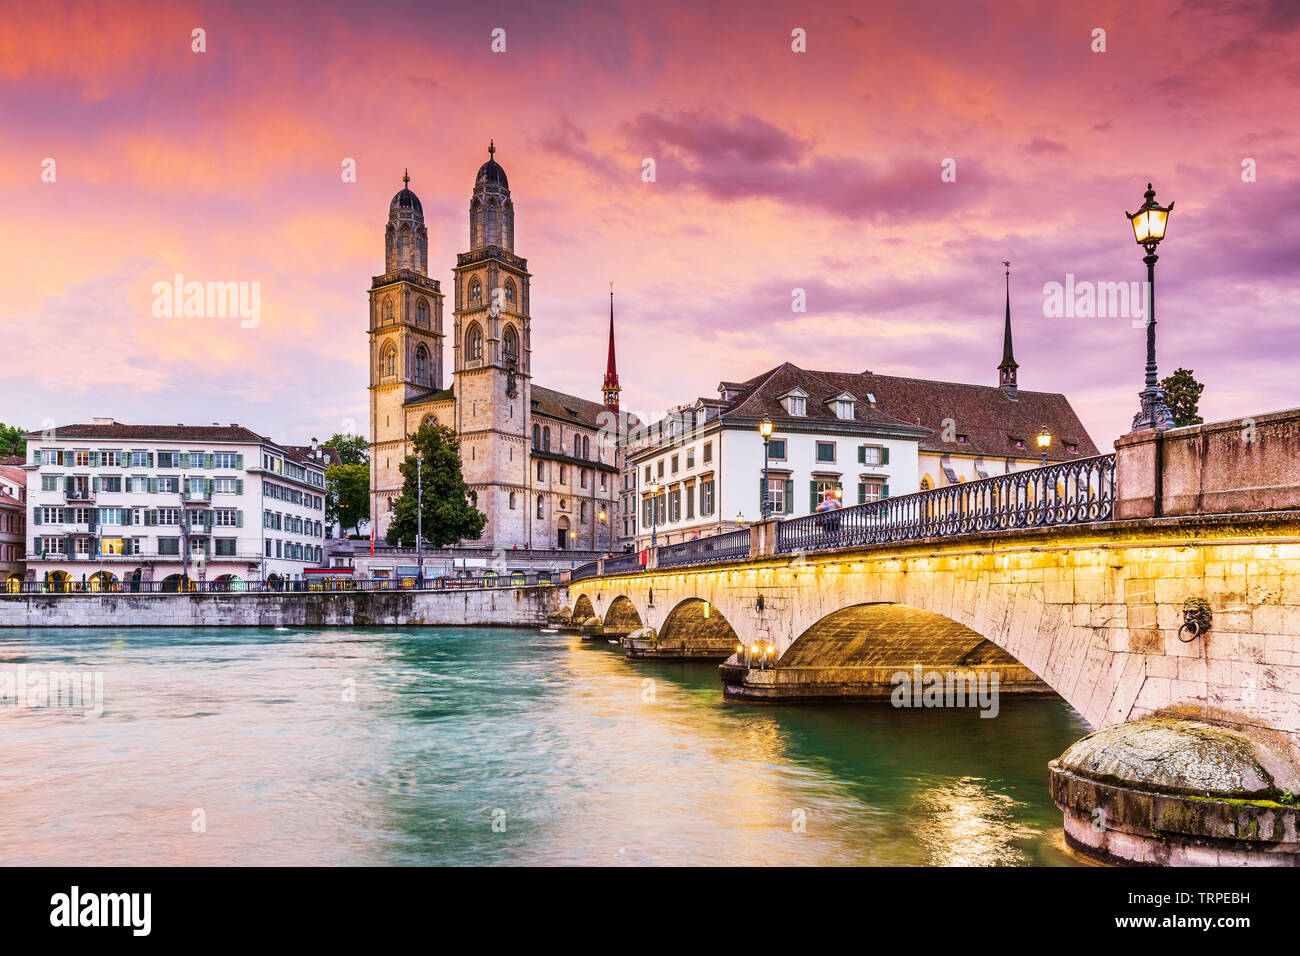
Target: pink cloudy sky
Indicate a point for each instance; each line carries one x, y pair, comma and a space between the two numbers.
776, 171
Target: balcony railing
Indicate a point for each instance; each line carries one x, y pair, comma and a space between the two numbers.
587, 570
1075, 492
728, 546
78, 494
623, 562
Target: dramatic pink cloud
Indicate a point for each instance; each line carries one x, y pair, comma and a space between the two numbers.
775, 171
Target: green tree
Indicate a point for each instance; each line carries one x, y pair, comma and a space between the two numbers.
11, 441
347, 495
448, 515
1183, 396
352, 449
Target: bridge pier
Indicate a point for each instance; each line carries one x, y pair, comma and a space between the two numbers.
906, 686
1168, 791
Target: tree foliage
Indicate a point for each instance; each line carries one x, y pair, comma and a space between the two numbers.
448, 514
347, 495
1183, 396
11, 441
352, 449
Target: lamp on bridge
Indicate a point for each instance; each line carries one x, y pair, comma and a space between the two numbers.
1149, 224
573, 543
654, 514
1044, 440
601, 518
765, 429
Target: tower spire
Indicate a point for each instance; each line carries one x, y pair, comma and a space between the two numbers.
406, 177
1007, 367
610, 388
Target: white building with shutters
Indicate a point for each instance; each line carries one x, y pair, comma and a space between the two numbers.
110, 504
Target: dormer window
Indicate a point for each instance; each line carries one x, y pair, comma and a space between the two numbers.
1020, 443
796, 405
844, 409
963, 439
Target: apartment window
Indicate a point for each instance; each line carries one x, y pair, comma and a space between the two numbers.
776, 449
167, 516
708, 451
647, 474
224, 547
110, 515
225, 460
110, 546
872, 455
169, 486
225, 486
51, 544
826, 451
645, 512
50, 457
660, 468
869, 491
675, 505
796, 405
775, 488
690, 458
50, 482
674, 464
169, 546
225, 517
706, 497
690, 503
110, 459
139, 459
169, 459
111, 484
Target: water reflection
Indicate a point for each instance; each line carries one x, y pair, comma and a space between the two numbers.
494, 746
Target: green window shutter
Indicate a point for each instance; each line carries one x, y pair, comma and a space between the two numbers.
94, 483
67, 459
812, 496
862, 454
762, 494
36, 515
884, 491
862, 492
153, 485
94, 459
208, 485
185, 459
239, 518
207, 521
150, 459
239, 462
239, 486
789, 496
209, 461
36, 456
884, 456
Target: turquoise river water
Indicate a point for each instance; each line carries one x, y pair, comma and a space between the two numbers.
491, 746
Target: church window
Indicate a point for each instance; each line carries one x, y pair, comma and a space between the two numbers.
511, 347
563, 474
512, 501
388, 360
421, 363
428, 421
577, 446
510, 291
541, 505
475, 291
546, 438
582, 477
537, 436
422, 313
474, 342
582, 512
541, 471
586, 447
388, 312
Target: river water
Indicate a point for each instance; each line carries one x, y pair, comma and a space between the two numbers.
491, 746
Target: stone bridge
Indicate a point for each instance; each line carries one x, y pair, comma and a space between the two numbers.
1159, 585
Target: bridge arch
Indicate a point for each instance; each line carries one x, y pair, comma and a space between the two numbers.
622, 616
694, 628
583, 609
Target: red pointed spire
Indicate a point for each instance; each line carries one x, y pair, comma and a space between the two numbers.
610, 387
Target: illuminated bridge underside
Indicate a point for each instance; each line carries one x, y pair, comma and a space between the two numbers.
1093, 610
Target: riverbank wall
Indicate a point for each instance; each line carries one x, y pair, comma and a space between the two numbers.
509, 607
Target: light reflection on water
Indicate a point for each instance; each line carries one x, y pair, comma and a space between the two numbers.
450, 727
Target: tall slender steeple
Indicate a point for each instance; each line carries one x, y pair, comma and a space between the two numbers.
610, 387
1008, 366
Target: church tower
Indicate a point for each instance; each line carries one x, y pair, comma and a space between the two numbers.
405, 345
609, 388
1007, 367
492, 364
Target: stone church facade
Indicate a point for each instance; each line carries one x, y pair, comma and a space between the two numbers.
543, 466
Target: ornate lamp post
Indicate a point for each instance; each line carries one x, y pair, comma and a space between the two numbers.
1044, 440
419, 519
654, 514
765, 429
1149, 224
601, 544
573, 543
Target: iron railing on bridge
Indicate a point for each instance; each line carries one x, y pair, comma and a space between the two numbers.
1074, 492
98, 585
588, 570
623, 562
728, 546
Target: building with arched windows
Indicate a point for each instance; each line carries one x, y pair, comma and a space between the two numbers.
543, 466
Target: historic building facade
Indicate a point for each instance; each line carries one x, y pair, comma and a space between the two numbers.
543, 466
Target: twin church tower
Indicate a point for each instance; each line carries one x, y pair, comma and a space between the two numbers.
542, 465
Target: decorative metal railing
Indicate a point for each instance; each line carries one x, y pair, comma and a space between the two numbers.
1075, 492
729, 546
95, 584
623, 562
588, 570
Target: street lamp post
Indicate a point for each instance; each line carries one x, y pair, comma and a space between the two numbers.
573, 543
1149, 224
765, 429
654, 514
419, 519
601, 543
1044, 440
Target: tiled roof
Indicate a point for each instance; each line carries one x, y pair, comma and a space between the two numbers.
307, 454
14, 474
567, 408
984, 414
436, 395
119, 431
761, 396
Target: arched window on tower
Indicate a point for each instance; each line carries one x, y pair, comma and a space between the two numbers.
546, 438
492, 225
422, 313
475, 291
474, 343
541, 506
586, 447
511, 293
577, 446
510, 347
421, 364
428, 421
388, 312
537, 436
388, 360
